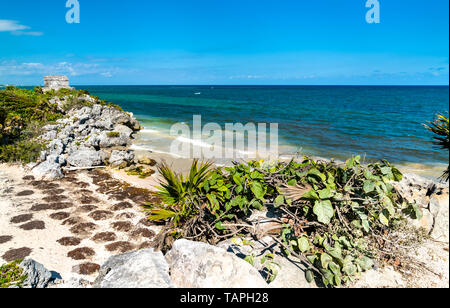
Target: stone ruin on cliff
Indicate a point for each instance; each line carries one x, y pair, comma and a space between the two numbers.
56, 83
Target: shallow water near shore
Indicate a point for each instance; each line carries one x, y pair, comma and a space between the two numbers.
326, 121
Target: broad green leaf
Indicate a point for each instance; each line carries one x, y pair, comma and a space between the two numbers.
365, 263
316, 173
258, 190
325, 260
256, 175
349, 268
309, 276
383, 219
239, 189
312, 258
312, 195
292, 182
237, 179
335, 252
219, 226
257, 205
303, 244
337, 280
365, 224
279, 201
334, 268
327, 277
398, 176
369, 186
325, 193
324, 211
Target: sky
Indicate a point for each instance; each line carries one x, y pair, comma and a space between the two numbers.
232, 42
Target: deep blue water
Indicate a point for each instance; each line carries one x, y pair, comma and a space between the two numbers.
328, 121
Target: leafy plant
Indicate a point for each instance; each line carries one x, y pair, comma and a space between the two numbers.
440, 127
179, 194
11, 274
329, 214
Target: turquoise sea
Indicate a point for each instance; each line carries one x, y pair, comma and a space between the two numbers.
378, 122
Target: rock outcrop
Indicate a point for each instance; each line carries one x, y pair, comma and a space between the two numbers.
199, 265
138, 269
37, 275
86, 137
433, 199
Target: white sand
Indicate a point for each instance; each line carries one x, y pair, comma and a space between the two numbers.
43, 243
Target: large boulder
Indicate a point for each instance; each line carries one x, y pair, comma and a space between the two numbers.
382, 278
139, 269
433, 199
121, 159
49, 170
84, 158
37, 275
109, 139
199, 265
439, 208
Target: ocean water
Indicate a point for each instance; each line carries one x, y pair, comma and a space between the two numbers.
327, 121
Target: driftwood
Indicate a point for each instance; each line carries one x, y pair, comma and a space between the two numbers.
83, 168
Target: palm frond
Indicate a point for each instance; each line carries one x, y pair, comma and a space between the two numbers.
440, 127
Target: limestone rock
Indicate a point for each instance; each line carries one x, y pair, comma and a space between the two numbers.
382, 278
121, 159
439, 207
85, 158
146, 161
433, 198
138, 269
199, 265
48, 170
38, 275
109, 139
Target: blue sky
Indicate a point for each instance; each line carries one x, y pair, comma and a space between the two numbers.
226, 42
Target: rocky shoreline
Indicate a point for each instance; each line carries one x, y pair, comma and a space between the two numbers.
93, 232
91, 136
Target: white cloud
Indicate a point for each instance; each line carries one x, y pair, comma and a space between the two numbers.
18, 33
15, 28
14, 68
11, 25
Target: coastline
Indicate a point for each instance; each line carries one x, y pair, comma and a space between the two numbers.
72, 223
430, 171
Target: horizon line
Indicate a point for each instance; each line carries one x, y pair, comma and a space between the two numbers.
245, 85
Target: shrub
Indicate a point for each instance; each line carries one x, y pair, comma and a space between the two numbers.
332, 217
11, 274
22, 151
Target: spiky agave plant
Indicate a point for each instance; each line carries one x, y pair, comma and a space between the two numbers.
440, 127
180, 196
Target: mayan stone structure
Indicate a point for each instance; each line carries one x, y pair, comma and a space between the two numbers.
56, 83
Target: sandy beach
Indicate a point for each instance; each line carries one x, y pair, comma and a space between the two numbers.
71, 226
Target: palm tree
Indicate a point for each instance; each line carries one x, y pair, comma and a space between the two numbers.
440, 128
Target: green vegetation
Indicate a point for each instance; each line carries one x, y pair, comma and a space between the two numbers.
440, 127
113, 134
335, 218
23, 112
140, 171
11, 274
